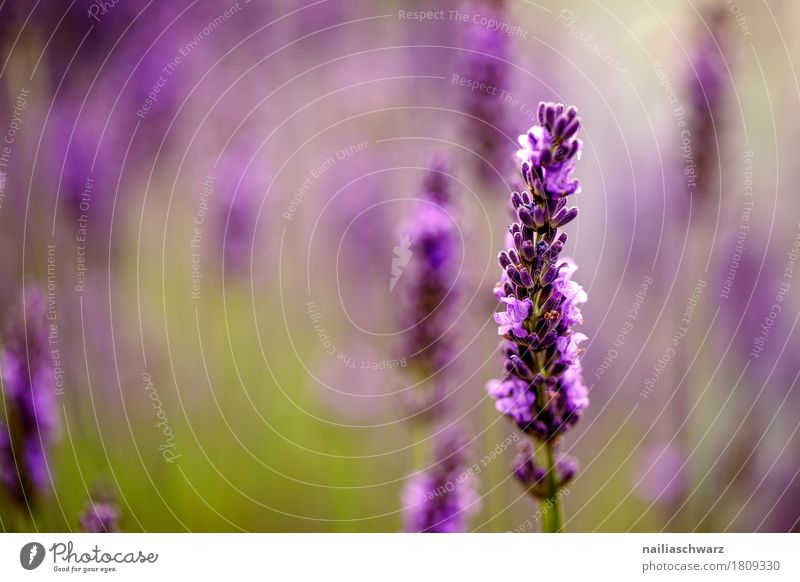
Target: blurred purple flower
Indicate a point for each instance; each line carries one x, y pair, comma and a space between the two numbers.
30, 408
707, 90
318, 15
748, 285
99, 517
240, 187
776, 496
442, 499
485, 63
90, 168
662, 471
428, 300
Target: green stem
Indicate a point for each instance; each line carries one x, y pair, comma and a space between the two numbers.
553, 519
550, 507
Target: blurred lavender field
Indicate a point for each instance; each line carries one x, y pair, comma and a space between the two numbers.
250, 251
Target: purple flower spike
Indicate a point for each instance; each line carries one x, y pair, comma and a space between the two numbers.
442, 499
429, 246
99, 517
542, 390
30, 403
707, 80
485, 64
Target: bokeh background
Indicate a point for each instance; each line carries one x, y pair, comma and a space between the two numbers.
210, 195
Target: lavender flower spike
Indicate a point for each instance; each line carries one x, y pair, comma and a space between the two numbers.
442, 499
708, 89
542, 390
429, 244
30, 408
99, 517
485, 64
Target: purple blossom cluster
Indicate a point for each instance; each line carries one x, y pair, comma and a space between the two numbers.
439, 499
241, 184
542, 390
707, 80
31, 415
431, 238
99, 517
442, 499
534, 477
486, 63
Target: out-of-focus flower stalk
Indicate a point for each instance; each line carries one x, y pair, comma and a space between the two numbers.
485, 65
99, 517
443, 497
30, 410
707, 95
429, 243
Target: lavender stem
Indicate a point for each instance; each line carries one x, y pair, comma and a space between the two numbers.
553, 521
